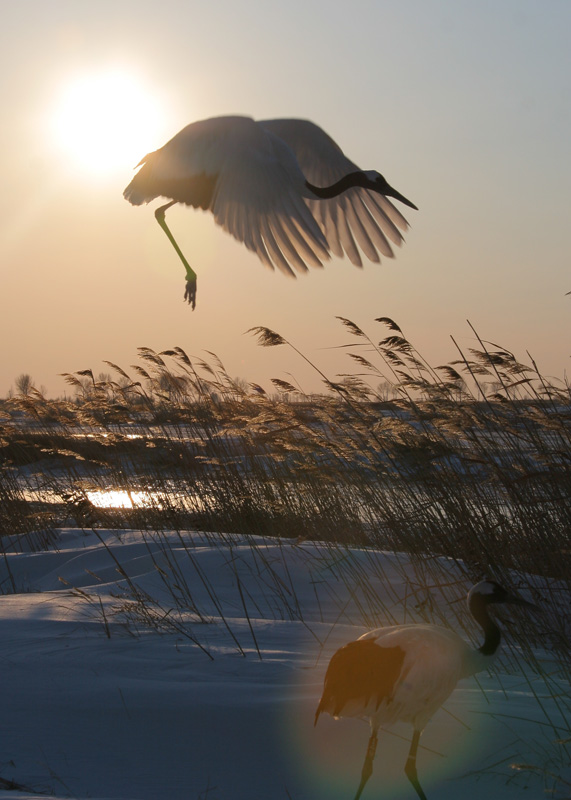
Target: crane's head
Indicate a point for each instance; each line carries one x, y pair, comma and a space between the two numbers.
377, 183
487, 592
481, 596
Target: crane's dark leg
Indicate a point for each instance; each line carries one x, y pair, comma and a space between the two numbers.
190, 291
367, 770
410, 768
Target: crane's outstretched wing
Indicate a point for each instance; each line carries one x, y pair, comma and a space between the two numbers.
356, 219
249, 180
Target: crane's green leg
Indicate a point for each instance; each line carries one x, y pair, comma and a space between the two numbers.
367, 770
410, 768
190, 290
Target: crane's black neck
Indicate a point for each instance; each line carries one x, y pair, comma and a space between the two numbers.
346, 182
492, 635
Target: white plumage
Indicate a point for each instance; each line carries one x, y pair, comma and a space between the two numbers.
406, 672
282, 187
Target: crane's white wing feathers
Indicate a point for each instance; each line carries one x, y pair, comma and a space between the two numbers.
258, 199
356, 219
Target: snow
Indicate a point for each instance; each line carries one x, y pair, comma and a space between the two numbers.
150, 666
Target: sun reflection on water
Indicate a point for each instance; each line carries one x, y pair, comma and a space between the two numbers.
120, 498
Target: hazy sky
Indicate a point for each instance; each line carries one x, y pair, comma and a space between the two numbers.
465, 107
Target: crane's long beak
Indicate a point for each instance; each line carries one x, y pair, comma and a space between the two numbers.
390, 192
515, 600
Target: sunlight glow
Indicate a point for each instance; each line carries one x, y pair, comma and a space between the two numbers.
123, 499
105, 122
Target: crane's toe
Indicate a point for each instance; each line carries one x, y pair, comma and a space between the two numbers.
190, 291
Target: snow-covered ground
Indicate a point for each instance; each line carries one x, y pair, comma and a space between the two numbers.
138, 665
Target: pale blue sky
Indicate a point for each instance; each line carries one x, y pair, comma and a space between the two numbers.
465, 107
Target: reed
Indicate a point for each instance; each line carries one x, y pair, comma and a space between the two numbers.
465, 472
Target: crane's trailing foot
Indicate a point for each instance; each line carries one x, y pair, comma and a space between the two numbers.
190, 290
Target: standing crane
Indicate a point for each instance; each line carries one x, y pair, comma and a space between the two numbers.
404, 673
283, 187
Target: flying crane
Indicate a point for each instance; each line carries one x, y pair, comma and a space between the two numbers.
283, 187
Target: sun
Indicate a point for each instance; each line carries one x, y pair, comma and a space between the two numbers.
105, 122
